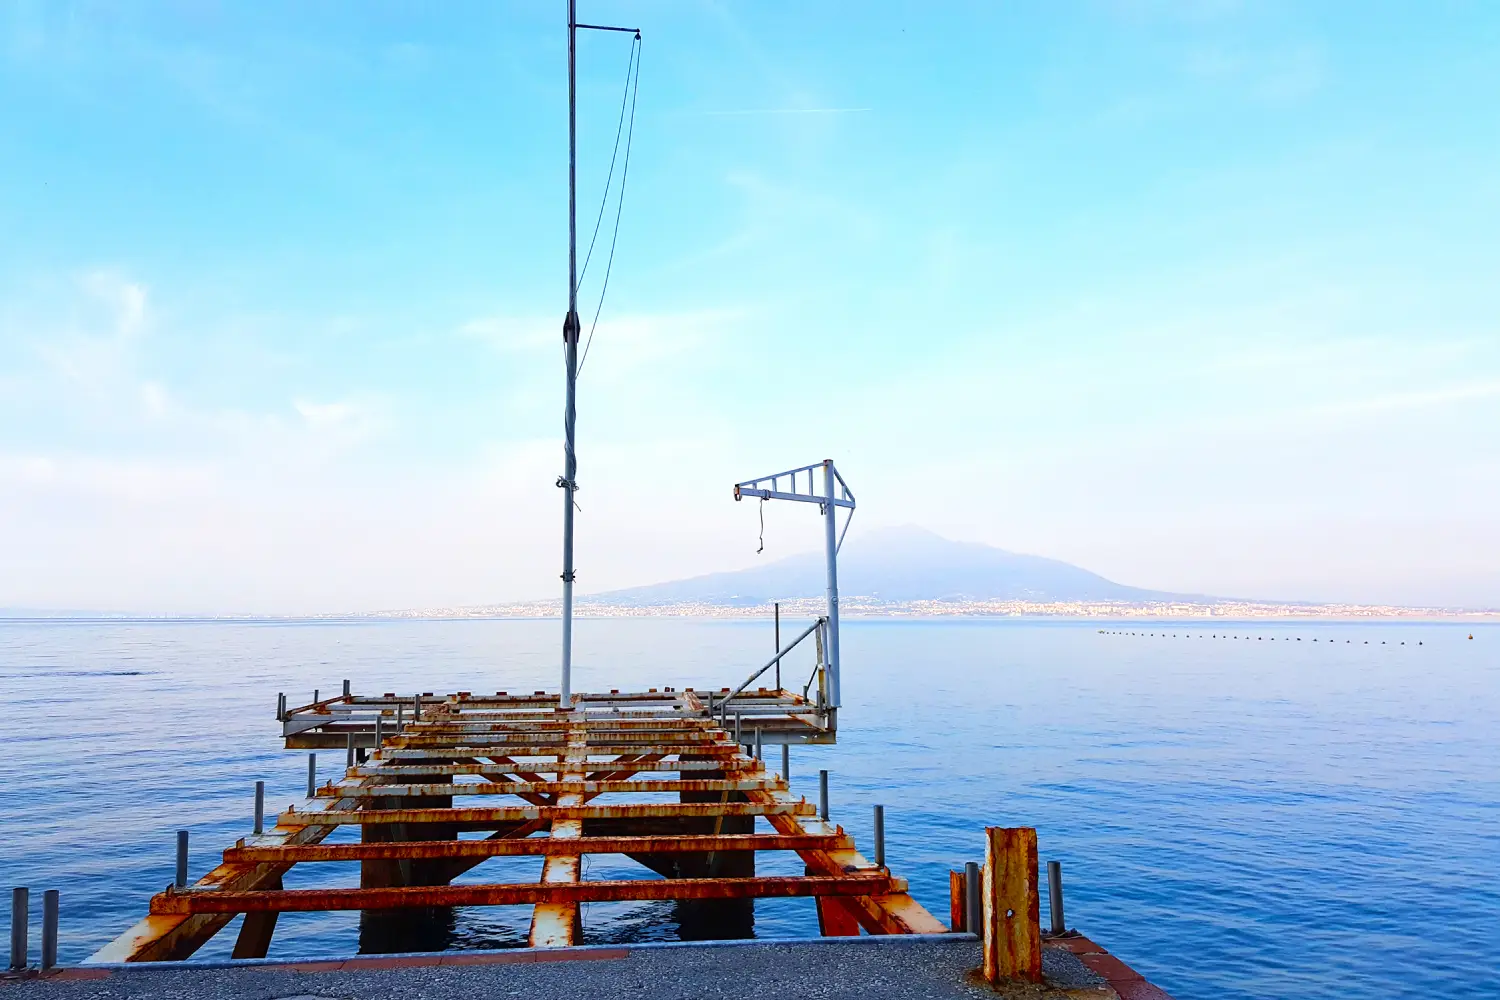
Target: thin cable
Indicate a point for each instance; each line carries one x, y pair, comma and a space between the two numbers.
619, 205
762, 527
609, 179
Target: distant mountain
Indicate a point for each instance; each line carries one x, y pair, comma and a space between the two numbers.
898, 564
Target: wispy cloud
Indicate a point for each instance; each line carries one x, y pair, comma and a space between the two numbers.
744, 112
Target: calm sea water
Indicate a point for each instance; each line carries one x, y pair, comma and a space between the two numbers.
1300, 810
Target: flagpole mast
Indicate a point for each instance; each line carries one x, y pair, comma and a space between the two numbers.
569, 480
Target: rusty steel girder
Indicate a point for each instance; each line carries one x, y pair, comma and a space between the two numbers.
298, 900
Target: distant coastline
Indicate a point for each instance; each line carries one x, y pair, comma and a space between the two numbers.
852, 607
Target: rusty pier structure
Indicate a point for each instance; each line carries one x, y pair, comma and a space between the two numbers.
437, 785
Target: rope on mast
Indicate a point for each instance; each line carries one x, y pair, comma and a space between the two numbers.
635, 91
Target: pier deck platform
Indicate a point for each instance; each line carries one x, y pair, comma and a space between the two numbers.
913, 968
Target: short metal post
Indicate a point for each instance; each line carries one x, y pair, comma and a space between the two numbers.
400, 716
315, 696
312, 775
346, 687
786, 762
416, 708
1055, 896
281, 706
49, 929
379, 724
880, 836
757, 743
260, 808
777, 606
737, 735
182, 846
823, 795
20, 918
973, 898
349, 752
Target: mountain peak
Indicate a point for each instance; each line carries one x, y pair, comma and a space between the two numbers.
902, 563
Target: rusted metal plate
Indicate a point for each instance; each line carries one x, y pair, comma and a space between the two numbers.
298, 900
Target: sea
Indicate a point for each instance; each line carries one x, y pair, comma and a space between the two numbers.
1241, 810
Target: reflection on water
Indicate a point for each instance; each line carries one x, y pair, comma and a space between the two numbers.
1253, 818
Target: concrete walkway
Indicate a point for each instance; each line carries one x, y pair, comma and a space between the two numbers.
928, 968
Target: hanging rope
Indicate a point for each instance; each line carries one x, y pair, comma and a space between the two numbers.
614, 154
762, 527
635, 90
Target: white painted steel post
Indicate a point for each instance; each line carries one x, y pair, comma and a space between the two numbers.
49, 929
830, 536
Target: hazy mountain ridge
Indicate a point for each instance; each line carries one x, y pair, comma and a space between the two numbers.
899, 565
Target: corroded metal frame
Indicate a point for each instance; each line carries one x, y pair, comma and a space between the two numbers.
552, 774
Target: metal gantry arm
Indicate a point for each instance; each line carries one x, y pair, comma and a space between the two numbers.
835, 493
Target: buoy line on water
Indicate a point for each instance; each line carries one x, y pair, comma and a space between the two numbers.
1215, 635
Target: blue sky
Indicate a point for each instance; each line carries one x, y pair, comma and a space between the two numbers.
1201, 296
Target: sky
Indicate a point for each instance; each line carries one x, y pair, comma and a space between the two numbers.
1202, 296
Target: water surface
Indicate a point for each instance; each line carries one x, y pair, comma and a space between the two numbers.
1241, 810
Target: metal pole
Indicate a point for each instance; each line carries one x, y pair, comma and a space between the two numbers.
570, 349
312, 775
416, 707
49, 929
830, 536
349, 752
786, 762
757, 744
880, 836
346, 687
182, 846
281, 706
972, 897
315, 696
777, 606
379, 736
20, 918
400, 716
737, 737
260, 808
823, 795
1055, 896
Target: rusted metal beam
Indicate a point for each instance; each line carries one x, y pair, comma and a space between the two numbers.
584, 787
726, 749
539, 768
510, 814
538, 846
301, 900
555, 921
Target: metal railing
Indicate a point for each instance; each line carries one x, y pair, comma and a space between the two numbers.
721, 707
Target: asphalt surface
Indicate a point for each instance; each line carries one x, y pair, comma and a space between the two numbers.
858, 968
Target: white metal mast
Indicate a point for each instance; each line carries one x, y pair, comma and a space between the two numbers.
569, 479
